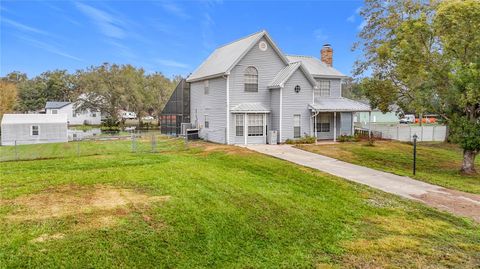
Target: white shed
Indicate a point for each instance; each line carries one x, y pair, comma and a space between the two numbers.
33, 128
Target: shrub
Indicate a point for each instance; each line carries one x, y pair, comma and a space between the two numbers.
348, 138
304, 140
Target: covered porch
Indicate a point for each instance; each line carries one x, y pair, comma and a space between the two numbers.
333, 117
251, 123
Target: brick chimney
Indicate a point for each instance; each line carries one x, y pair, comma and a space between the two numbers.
326, 54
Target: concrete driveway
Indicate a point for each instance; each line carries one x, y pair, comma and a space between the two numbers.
456, 202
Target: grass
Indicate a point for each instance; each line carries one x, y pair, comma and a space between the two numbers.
213, 206
437, 163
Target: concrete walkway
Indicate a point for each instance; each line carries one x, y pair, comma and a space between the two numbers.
456, 202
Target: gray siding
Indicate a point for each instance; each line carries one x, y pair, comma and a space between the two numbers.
212, 104
296, 103
48, 133
268, 63
275, 109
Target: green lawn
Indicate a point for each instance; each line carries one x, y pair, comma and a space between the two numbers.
213, 206
437, 163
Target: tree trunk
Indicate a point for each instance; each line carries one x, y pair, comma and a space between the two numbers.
468, 165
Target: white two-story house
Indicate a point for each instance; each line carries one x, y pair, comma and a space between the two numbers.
74, 116
247, 88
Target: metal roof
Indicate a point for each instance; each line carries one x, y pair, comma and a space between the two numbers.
56, 104
339, 104
224, 58
250, 108
282, 77
316, 67
33, 118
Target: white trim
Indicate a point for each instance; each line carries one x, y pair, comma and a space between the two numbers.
281, 116
227, 139
334, 126
245, 126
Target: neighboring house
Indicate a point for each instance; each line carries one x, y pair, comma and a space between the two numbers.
249, 87
33, 129
74, 116
377, 116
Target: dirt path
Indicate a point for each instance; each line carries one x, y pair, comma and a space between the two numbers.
456, 202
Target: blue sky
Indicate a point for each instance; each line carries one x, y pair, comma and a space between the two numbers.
172, 37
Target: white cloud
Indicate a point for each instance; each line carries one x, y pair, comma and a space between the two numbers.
23, 27
50, 48
175, 10
320, 35
351, 18
171, 63
357, 11
361, 25
106, 22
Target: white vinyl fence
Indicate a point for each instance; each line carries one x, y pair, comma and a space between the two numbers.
405, 132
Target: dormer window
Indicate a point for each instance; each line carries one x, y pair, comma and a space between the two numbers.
324, 87
251, 79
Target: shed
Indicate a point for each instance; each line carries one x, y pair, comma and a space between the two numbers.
33, 129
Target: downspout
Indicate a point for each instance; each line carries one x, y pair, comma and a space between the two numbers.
281, 114
227, 133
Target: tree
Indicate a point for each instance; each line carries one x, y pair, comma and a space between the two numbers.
423, 56
457, 24
160, 89
8, 97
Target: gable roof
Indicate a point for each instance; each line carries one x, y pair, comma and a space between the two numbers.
33, 118
316, 67
55, 104
224, 58
282, 77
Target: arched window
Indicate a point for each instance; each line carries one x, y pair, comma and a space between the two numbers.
251, 79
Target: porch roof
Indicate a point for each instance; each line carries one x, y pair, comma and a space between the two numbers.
250, 108
339, 105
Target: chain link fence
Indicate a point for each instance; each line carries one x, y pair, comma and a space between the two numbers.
135, 143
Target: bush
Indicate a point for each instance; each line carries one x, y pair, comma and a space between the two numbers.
348, 138
110, 126
304, 140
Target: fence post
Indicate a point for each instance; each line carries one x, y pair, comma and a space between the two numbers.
133, 142
16, 151
154, 143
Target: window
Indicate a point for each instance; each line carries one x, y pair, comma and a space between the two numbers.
207, 123
239, 125
296, 126
94, 114
74, 113
35, 129
206, 86
255, 125
324, 87
54, 111
297, 89
323, 125
251, 79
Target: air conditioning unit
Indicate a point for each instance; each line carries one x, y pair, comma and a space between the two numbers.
272, 138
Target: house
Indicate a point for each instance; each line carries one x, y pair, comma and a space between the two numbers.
249, 87
74, 116
33, 128
377, 116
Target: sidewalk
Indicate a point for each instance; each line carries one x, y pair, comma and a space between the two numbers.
456, 202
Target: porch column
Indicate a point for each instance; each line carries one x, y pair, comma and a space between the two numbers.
334, 126
265, 127
315, 127
245, 131
353, 125
369, 124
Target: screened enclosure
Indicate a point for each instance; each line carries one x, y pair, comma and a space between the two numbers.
177, 110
